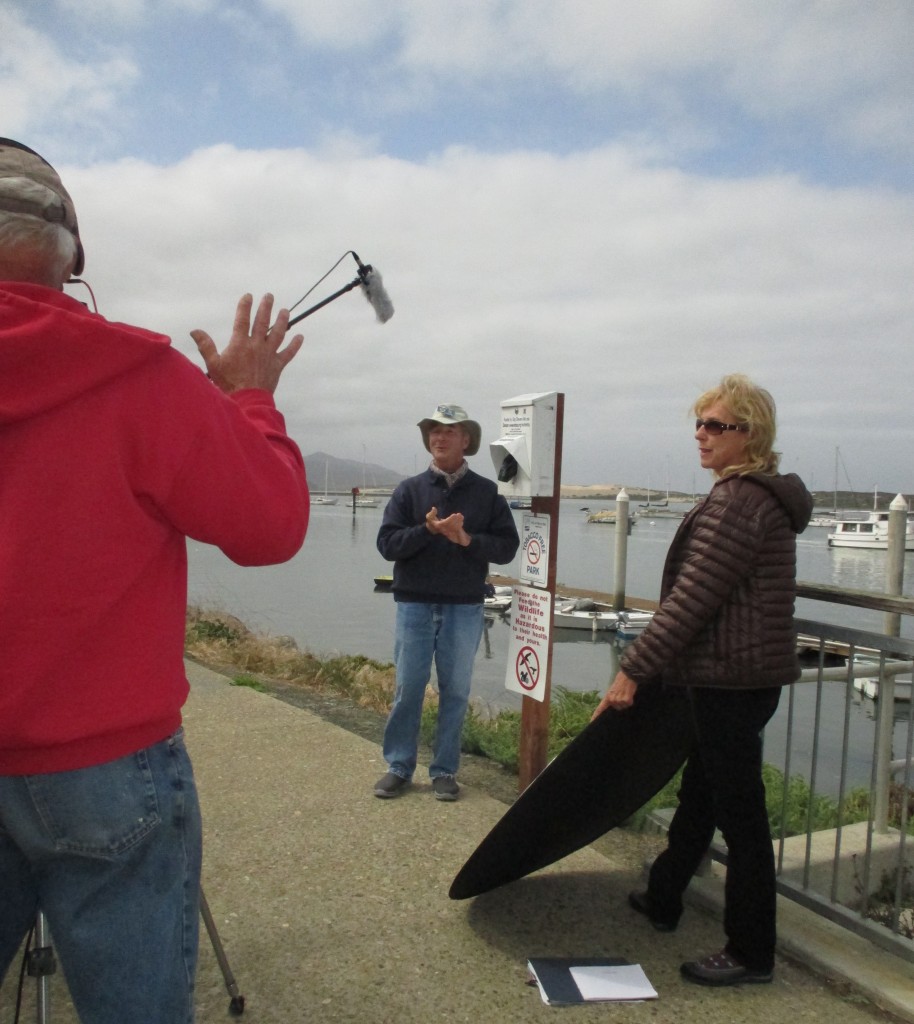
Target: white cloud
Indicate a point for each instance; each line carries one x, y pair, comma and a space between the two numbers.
106, 10
619, 273
847, 62
345, 24
45, 92
629, 287
131, 11
688, 75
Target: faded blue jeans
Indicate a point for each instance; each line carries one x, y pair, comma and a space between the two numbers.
111, 855
448, 635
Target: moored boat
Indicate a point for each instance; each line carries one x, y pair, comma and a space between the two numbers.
661, 513
325, 498
607, 516
870, 533
868, 686
822, 520
583, 613
632, 623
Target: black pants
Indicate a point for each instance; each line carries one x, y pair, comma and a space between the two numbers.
722, 788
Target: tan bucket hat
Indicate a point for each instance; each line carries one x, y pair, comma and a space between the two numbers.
450, 415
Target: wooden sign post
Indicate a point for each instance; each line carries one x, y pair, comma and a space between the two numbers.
534, 727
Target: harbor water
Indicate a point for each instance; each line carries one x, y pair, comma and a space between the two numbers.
325, 599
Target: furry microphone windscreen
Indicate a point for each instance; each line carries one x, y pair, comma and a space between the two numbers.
374, 290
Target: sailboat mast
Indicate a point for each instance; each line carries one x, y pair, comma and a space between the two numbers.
836, 481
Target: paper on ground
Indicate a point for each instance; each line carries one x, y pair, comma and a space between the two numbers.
613, 983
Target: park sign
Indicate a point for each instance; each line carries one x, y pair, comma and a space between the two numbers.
534, 564
528, 647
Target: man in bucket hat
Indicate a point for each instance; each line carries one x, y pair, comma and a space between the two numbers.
441, 529
114, 449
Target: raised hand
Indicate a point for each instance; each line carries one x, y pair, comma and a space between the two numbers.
252, 358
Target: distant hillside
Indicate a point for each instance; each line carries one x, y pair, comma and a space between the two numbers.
609, 491
850, 501
344, 474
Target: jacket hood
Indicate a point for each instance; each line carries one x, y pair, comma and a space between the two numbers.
52, 349
791, 492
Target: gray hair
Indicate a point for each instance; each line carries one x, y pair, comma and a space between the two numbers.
42, 232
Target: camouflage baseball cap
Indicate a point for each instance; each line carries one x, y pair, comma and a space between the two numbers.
18, 161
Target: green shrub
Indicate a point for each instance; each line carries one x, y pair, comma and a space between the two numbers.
209, 629
250, 682
495, 738
498, 738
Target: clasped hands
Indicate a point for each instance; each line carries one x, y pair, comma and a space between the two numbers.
450, 527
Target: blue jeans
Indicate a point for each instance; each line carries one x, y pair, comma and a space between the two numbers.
111, 855
449, 635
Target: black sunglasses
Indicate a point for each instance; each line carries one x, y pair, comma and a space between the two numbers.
715, 428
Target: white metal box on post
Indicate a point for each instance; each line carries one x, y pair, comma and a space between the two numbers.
524, 454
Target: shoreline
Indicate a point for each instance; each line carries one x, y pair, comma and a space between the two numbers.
563, 593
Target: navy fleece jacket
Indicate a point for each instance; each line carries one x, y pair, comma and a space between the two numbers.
431, 568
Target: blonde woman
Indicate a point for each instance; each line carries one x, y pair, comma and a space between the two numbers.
724, 630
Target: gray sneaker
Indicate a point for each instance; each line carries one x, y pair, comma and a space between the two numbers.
390, 785
445, 787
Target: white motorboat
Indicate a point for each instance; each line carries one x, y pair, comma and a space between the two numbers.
871, 532
631, 624
583, 613
868, 686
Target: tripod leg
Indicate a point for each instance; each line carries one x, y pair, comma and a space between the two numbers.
41, 964
236, 1004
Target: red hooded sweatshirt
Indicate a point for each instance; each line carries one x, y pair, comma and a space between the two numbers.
113, 449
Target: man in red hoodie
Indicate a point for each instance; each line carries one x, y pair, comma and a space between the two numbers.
114, 449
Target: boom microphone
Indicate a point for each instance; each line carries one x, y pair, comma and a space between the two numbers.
375, 292
371, 284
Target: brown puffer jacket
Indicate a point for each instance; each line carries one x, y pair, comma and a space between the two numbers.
729, 584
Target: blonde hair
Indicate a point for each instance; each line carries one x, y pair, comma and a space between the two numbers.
754, 407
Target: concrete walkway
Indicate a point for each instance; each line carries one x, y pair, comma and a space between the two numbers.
332, 905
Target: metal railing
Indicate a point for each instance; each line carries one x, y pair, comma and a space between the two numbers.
850, 860
852, 869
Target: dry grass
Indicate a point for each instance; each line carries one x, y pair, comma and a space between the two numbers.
225, 642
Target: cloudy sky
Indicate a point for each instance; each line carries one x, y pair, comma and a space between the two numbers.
618, 201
